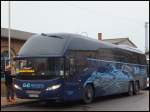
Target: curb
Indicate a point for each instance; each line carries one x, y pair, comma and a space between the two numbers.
12, 105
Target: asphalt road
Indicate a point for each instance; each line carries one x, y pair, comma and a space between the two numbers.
110, 103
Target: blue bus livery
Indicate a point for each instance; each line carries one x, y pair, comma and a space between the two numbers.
64, 66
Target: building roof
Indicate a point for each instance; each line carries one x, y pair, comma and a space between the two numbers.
56, 44
118, 41
16, 34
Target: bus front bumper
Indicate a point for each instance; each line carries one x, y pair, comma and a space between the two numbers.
42, 95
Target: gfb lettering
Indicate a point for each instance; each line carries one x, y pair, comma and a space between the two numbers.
26, 85
29, 85
136, 70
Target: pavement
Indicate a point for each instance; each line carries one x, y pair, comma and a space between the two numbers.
121, 102
19, 101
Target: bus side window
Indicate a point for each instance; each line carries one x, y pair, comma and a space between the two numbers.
69, 66
72, 66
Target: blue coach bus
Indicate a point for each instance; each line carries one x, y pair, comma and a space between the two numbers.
66, 67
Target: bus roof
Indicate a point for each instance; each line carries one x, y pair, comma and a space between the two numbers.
56, 44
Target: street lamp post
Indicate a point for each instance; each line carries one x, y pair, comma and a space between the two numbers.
9, 15
146, 36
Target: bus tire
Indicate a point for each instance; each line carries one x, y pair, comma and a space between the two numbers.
136, 88
88, 94
130, 89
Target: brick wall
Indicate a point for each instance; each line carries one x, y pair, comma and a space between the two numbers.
15, 47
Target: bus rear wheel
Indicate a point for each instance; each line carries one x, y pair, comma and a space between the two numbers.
137, 88
88, 94
130, 89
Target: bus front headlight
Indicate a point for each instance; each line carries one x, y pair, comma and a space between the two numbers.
17, 87
53, 87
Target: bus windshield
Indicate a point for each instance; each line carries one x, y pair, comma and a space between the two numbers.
40, 67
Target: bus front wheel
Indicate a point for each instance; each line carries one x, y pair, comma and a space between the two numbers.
88, 94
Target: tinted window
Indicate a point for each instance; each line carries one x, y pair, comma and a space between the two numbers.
142, 59
106, 54
120, 55
40, 67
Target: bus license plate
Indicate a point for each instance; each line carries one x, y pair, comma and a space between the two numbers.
33, 95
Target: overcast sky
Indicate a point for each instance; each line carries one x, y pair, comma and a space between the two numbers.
112, 18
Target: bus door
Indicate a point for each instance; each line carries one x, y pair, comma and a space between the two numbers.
72, 80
